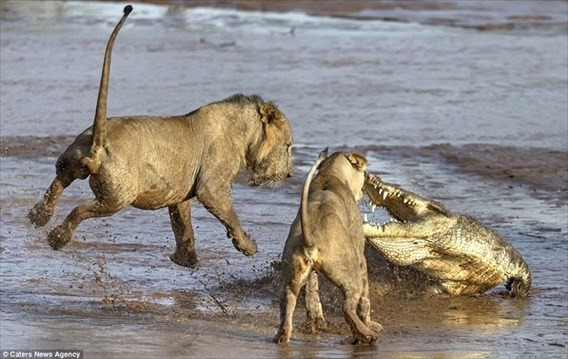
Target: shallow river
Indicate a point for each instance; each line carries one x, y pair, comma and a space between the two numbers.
423, 101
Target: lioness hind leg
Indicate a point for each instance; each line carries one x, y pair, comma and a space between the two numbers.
180, 217
63, 233
364, 312
43, 210
287, 308
364, 309
294, 278
314, 311
361, 333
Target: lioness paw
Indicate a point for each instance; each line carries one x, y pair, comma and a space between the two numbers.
282, 338
375, 327
313, 325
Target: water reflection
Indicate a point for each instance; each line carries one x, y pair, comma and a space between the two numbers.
39, 13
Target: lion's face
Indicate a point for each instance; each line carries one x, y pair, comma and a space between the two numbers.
272, 159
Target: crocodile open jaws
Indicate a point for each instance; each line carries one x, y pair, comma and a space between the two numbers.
461, 254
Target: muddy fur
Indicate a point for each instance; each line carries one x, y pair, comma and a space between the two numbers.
152, 162
327, 237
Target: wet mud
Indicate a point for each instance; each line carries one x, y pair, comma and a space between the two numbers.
430, 104
105, 279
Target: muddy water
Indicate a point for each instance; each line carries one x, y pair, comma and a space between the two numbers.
476, 119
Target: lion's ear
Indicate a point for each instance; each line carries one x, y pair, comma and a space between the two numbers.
357, 160
268, 112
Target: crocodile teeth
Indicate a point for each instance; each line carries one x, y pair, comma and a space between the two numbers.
373, 208
380, 191
385, 194
365, 218
405, 201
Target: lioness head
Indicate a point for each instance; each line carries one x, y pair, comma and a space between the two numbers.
351, 168
271, 158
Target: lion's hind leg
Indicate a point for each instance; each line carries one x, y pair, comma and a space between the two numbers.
42, 212
63, 233
180, 217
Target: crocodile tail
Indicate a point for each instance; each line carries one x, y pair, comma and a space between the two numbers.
524, 281
309, 242
519, 284
99, 129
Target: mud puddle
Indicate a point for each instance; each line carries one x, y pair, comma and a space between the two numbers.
114, 284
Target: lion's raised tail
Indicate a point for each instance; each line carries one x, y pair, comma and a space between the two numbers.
99, 129
304, 200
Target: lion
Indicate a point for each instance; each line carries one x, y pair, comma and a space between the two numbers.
152, 162
327, 236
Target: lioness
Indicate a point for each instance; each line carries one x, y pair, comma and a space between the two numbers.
154, 162
327, 235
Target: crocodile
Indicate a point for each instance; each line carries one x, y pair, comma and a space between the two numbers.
460, 254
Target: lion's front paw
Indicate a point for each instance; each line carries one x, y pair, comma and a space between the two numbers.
185, 259
246, 245
39, 215
59, 237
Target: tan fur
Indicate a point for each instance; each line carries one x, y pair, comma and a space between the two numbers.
153, 162
327, 236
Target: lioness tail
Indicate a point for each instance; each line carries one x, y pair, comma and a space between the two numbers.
99, 129
304, 200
